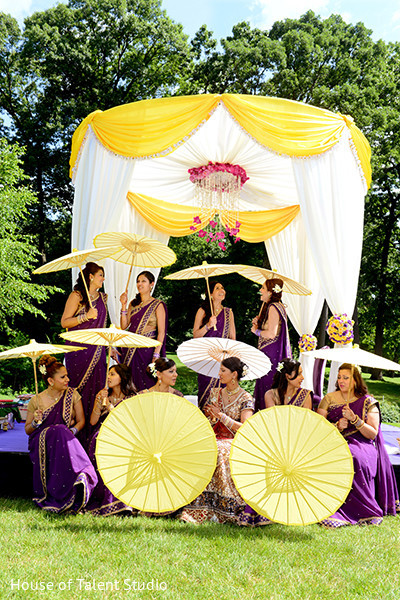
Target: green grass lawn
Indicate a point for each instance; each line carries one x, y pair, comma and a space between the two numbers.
194, 562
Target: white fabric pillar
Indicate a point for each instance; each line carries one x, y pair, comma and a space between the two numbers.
289, 253
333, 211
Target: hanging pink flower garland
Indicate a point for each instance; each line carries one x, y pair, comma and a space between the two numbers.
202, 177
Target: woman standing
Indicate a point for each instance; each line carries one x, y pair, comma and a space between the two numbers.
227, 409
286, 386
63, 476
356, 415
223, 321
86, 368
102, 501
273, 337
147, 316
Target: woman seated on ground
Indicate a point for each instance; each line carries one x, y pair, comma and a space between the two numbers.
356, 415
164, 371
63, 476
286, 386
120, 386
227, 409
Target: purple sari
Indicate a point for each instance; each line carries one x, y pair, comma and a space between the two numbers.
87, 368
63, 476
139, 358
276, 349
374, 490
102, 502
207, 384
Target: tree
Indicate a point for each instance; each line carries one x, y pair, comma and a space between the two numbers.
18, 254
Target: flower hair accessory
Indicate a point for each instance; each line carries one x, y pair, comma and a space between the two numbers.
42, 369
245, 370
277, 289
358, 368
280, 367
152, 369
203, 296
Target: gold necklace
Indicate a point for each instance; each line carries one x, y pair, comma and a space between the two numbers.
235, 391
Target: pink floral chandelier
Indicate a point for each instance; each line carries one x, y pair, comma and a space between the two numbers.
218, 188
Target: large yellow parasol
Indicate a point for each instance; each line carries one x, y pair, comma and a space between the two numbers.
76, 258
205, 271
204, 355
35, 350
259, 275
156, 452
136, 250
291, 465
109, 336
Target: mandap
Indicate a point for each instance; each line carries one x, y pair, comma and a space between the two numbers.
308, 172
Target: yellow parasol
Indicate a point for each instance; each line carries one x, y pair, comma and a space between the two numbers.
291, 465
259, 275
204, 355
205, 270
109, 336
136, 250
35, 350
156, 452
76, 258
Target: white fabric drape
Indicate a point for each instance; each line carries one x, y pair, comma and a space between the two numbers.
289, 253
101, 186
331, 194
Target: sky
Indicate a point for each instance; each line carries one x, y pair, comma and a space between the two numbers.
381, 16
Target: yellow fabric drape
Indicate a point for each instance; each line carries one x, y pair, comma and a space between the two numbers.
151, 127
175, 220
146, 127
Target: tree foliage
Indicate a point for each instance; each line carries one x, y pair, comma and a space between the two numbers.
18, 253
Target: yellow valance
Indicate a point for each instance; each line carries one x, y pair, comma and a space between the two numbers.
175, 220
158, 126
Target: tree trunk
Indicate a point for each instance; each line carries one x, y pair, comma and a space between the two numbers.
321, 326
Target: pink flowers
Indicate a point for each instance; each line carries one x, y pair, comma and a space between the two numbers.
199, 173
217, 236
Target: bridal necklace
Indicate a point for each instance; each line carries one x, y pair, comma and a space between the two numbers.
235, 391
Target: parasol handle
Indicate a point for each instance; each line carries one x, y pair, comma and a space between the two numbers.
86, 287
211, 304
130, 272
108, 364
35, 374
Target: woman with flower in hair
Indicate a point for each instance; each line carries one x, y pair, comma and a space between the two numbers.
356, 415
120, 387
86, 368
164, 372
63, 476
273, 336
227, 409
219, 324
286, 386
147, 316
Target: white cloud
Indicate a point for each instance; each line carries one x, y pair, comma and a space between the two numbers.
266, 12
16, 8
